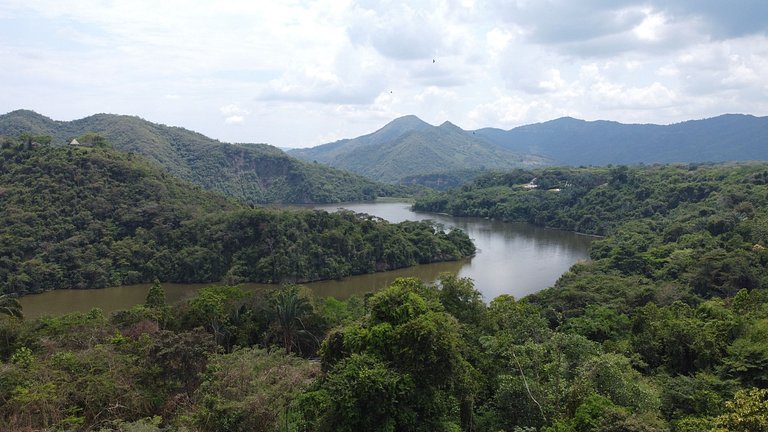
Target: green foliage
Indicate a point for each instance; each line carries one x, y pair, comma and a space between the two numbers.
23, 357
10, 306
460, 298
747, 412
149, 424
252, 173
699, 396
290, 310
402, 368
250, 390
518, 320
87, 217
441, 181
599, 324
664, 330
361, 393
748, 355
155, 296
336, 312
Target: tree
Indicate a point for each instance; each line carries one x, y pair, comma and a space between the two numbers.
250, 390
290, 308
361, 392
10, 306
213, 309
747, 412
155, 296
179, 358
748, 355
461, 299
407, 353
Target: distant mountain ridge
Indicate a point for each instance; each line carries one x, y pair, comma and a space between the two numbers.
412, 151
569, 141
408, 146
253, 173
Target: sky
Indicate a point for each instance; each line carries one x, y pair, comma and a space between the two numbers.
304, 73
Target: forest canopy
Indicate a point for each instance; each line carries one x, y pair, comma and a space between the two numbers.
664, 330
85, 217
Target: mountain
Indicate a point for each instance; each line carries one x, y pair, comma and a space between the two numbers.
407, 146
569, 141
82, 217
253, 173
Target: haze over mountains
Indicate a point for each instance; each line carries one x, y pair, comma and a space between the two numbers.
410, 147
253, 173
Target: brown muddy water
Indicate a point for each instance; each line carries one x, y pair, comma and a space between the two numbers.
512, 258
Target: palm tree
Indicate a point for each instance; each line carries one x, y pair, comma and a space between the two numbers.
289, 308
10, 306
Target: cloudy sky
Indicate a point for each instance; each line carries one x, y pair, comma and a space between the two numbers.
303, 73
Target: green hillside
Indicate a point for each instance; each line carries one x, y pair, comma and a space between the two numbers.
667, 322
79, 217
253, 173
408, 146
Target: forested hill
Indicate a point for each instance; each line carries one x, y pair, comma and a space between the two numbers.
81, 217
407, 147
598, 200
570, 141
253, 173
664, 330
676, 294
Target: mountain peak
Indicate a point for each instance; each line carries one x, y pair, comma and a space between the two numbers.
407, 122
398, 127
450, 126
29, 114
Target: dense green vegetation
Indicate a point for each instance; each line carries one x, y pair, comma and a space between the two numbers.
176, 366
252, 173
442, 181
569, 141
81, 217
598, 200
413, 357
409, 147
665, 330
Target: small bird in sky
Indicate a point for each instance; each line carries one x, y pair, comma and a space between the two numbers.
433, 60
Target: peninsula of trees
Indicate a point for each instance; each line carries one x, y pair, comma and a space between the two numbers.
89, 217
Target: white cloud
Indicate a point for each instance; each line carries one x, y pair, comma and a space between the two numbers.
343, 68
651, 27
234, 114
232, 109
235, 119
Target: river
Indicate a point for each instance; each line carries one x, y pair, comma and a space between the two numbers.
512, 258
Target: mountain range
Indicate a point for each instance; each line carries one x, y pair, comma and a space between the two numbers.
569, 141
409, 146
408, 150
253, 173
